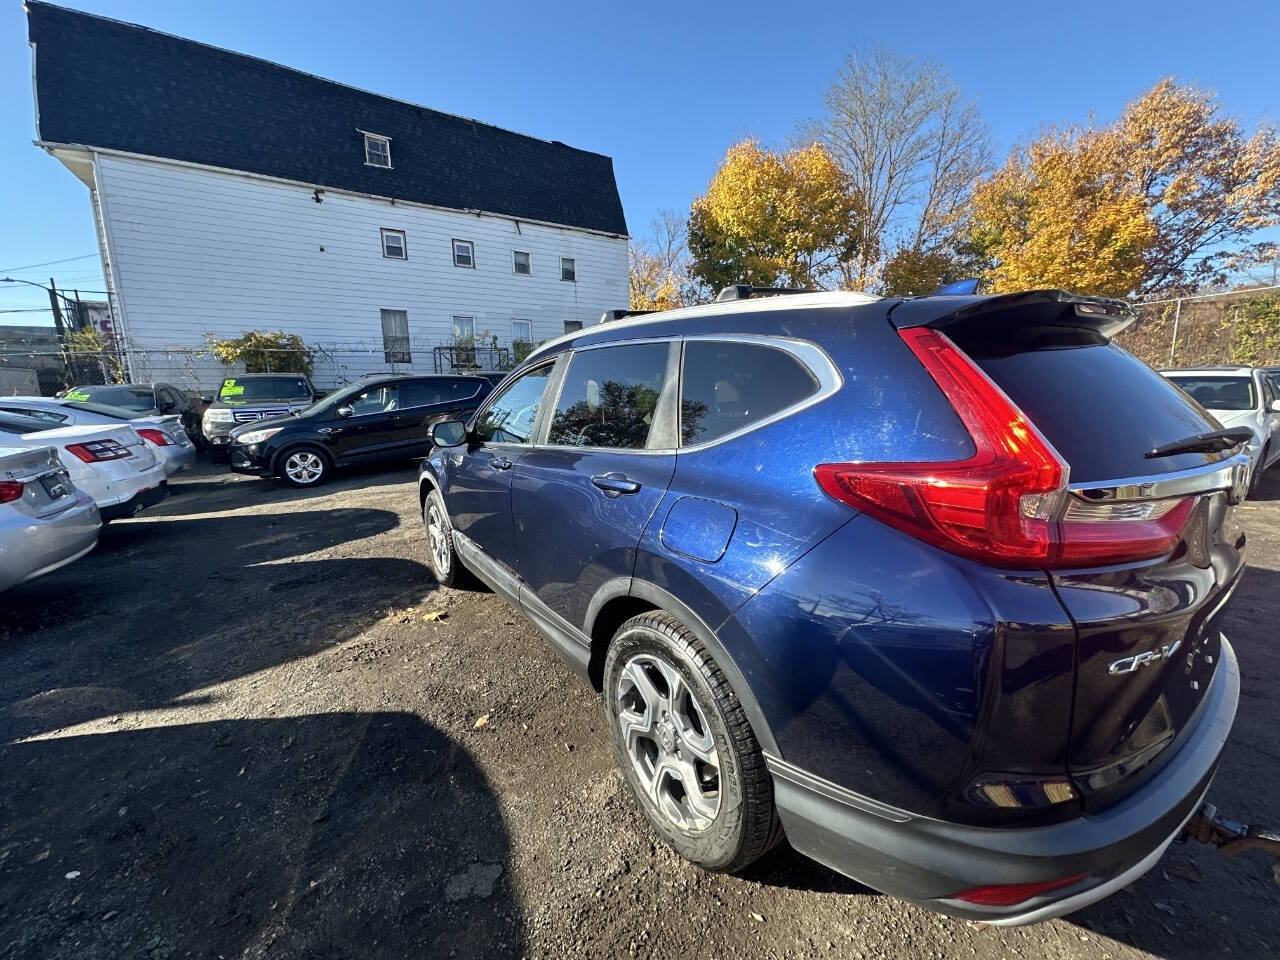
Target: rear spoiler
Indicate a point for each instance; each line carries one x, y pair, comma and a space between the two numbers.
1053, 308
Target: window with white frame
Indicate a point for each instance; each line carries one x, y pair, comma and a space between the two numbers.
572, 326
395, 336
377, 150
394, 245
521, 262
464, 328
464, 253
568, 269
521, 338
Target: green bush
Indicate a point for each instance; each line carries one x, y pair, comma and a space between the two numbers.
265, 351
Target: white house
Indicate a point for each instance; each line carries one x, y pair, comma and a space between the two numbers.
231, 193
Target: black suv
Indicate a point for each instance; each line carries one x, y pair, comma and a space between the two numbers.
385, 417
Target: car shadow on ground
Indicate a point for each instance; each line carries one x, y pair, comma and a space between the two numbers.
334, 835
210, 599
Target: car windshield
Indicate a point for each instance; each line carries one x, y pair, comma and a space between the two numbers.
246, 389
136, 399
1219, 393
335, 399
120, 413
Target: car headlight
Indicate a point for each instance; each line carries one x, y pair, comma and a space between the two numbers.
257, 436
218, 416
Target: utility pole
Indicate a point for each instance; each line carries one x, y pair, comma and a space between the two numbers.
57, 311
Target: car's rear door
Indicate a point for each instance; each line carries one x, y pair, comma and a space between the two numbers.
429, 400
1147, 632
582, 498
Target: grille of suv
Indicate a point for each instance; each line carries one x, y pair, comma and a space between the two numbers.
248, 416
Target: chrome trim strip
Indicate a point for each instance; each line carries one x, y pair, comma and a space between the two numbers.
1212, 476
832, 791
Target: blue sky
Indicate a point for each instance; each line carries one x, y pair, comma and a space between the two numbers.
663, 88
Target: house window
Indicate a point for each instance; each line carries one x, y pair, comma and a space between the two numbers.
464, 328
568, 269
572, 326
464, 253
521, 262
395, 336
393, 245
377, 150
521, 338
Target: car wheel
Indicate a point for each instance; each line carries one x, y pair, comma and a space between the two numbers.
685, 746
304, 467
441, 556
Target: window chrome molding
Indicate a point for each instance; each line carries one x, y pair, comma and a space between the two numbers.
1223, 475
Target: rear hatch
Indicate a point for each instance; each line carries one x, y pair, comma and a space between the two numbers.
1147, 632
46, 487
137, 454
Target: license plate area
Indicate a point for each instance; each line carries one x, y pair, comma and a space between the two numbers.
55, 486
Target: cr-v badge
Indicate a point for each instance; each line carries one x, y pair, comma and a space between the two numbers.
1130, 664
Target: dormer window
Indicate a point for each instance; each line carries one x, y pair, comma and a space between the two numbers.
377, 150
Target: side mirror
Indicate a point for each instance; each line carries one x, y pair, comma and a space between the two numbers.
448, 433
346, 411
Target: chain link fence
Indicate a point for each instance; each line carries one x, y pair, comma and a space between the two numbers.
43, 369
1237, 327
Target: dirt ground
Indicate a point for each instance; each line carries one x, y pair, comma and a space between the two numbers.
250, 724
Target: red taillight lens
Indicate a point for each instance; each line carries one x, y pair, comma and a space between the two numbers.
1008, 894
96, 450
1007, 505
157, 437
10, 490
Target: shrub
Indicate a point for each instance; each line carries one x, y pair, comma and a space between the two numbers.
265, 351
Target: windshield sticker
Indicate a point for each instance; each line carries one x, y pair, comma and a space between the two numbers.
230, 389
75, 395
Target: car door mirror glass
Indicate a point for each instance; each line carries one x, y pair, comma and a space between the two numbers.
448, 433
345, 411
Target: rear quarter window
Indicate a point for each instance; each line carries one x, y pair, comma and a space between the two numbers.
728, 386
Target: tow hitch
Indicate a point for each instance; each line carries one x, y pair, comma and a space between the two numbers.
1232, 837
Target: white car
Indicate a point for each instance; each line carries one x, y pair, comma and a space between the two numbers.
110, 463
163, 433
45, 522
1239, 397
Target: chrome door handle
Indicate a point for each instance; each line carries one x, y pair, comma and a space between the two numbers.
501, 463
615, 483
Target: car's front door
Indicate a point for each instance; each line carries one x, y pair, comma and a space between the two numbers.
477, 490
426, 401
581, 500
372, 430
1270, 418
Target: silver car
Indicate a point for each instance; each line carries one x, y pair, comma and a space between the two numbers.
45, 522
164, 434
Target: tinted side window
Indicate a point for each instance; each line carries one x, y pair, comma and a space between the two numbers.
375, 400
37, 414
510, 418
728, 386
421, 393
610, 397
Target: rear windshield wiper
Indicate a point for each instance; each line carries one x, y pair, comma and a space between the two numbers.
1203, 442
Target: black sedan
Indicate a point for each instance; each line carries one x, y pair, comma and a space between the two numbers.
379, 418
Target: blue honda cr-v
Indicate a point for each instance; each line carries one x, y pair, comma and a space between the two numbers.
932, 586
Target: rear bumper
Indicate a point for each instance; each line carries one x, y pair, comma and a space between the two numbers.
139, 501
31, 547
928, 861
176, 458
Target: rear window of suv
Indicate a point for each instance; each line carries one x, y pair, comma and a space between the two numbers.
1100, 407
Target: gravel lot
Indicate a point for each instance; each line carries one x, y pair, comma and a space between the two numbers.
250, 724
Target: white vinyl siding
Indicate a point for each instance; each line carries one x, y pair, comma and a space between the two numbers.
198, 253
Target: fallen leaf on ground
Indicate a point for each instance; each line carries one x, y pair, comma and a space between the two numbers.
1186, 871
481, 721
434, 615
757, 918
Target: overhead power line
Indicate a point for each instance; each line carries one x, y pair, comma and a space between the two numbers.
47, 263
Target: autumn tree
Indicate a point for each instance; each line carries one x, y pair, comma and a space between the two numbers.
1164, 199
661, 268
911, 148
772, 219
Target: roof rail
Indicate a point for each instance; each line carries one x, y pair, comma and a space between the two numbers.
609, 315
959, 288
744, 291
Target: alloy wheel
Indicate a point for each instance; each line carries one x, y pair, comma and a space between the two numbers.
437, 540
668, 742
304, 467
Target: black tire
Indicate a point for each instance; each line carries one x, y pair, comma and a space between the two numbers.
1255, 482
447, 567
745, 823
303, 466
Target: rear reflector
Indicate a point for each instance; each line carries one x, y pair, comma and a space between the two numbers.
10, 490
1007, 505
157, 437
1009, 894
97, 450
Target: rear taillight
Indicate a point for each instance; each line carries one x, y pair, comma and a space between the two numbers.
1009, 894
93, 451
1007, 505
10, 490
157, 437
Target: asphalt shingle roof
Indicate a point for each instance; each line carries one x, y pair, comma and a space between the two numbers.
118, 86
